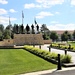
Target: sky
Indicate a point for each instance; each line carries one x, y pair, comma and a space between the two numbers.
56, 14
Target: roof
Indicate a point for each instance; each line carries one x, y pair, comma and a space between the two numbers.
62, 31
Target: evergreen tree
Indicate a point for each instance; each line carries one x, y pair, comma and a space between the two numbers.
53, 36
73, 35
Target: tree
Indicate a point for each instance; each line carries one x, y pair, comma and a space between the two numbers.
1, 31
15, 28
53, 36
45, 31
1, 28
45, 36
69, 37
9, 27
1, 36
44, 28
66, 36
73, 35
6, 34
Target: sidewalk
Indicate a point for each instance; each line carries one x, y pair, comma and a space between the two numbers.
64, 71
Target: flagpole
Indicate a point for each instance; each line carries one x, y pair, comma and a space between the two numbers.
10, 27
35, 24
9, 20
22, 17
22, 20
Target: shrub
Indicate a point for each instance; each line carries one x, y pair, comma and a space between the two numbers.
66, 59
59, 46
48, 55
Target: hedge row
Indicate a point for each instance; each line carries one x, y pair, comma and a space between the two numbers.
59, 46
48, 55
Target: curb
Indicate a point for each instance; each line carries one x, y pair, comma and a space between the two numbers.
48, 71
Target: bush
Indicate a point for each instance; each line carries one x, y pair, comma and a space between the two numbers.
66, 59
48, 55
59, 46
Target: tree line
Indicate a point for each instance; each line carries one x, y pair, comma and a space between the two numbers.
65, 36
9, 31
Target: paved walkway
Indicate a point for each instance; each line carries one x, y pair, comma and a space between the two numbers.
64, 71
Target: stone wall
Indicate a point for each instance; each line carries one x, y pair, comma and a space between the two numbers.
28, 39
47, 41
23, 39
8, 42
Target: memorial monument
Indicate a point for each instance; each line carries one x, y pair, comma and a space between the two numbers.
31, 37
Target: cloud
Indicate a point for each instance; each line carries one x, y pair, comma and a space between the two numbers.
43, 14
72, 2
43, 4
54, 22
57, 13
12, 11
3, 1
5, 20
62, 27
50, 2
2, 11
32, 5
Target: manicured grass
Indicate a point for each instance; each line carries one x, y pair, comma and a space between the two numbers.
17, 61
72, 43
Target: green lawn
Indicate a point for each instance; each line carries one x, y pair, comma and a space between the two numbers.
17, 61
72, 43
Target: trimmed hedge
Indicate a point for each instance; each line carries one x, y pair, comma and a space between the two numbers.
48, 55
59, 46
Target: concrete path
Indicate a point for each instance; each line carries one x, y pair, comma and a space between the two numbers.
44, 47
64, 71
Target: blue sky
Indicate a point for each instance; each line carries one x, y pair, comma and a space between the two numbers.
56, 14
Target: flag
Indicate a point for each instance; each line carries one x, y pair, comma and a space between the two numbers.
35, 21
22, 14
